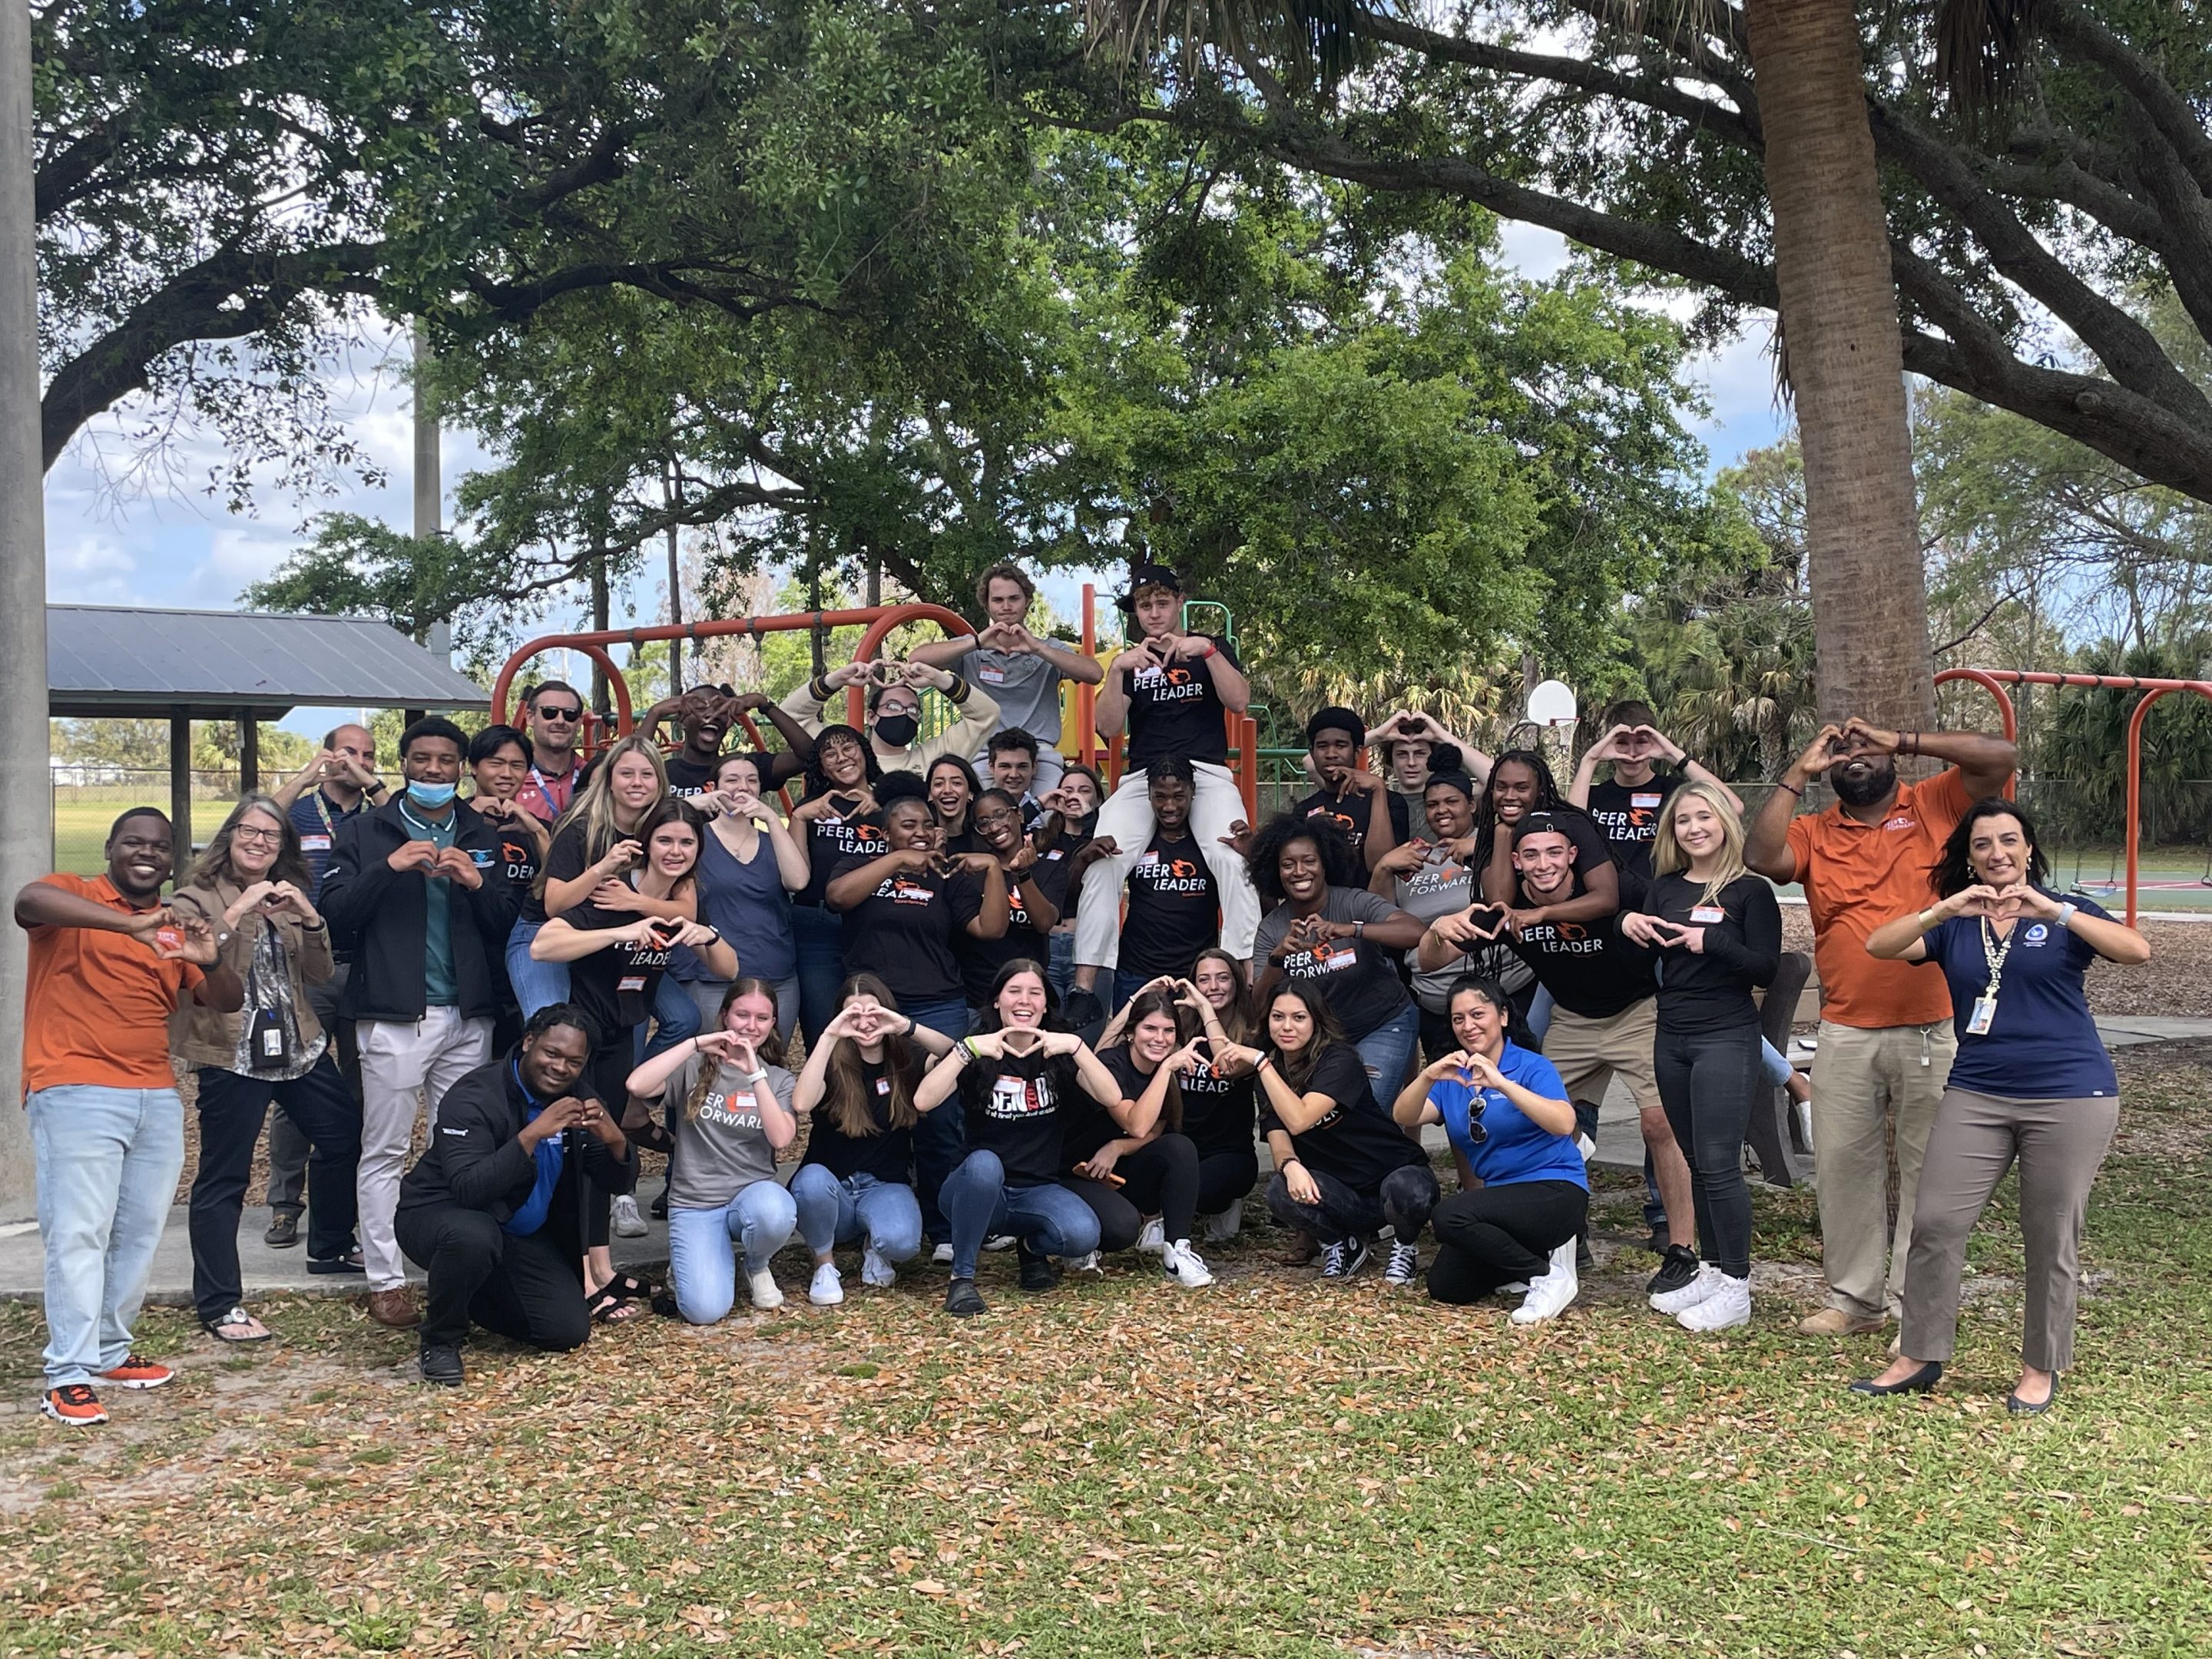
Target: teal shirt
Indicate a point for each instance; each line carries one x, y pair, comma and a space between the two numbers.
438, 975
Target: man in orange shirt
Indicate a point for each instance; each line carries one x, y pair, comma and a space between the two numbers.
109, 964
1886, 1040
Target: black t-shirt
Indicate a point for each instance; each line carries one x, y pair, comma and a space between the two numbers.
1349, 814
1591, 848
982, 958
1587, 966
903, 932
615, 986
518, 856
833, 837
1084, 1131
1630, 817
1017, 1108
1174, 910
1356, 1140
565, 860
1175, 710
1217, 1113
688, 777
1710, 990
888, 1155
1060, 858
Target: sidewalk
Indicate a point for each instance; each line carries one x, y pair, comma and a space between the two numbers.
266, 1272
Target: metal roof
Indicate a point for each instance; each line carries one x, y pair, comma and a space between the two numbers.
113, 659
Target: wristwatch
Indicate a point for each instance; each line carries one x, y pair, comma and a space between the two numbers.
2067, 912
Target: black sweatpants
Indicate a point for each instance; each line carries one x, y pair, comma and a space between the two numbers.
1494, 1235
1159, 1178
1708, 1082
528, 1287
1404, 1199
1223, 1178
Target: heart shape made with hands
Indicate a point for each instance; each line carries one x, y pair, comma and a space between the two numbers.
666, 931
884, 672
1159, 650
1020, 1041
943, 863
1487, 921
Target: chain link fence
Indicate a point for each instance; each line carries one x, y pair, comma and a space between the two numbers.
87, 799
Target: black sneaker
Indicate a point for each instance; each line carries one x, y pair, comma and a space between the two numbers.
660, 1210
1585, 1259
1038, 1274
441, 1364
962, 1300
1680, 1267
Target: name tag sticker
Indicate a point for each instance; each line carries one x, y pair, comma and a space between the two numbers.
314, 843
1338, 958
630, 982
1706, 915
1645, 800
990, 674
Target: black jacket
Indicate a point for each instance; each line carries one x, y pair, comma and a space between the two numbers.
475, 1160
376, 917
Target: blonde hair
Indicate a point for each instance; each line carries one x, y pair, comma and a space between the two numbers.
769, 1049
594, 807
1667, 855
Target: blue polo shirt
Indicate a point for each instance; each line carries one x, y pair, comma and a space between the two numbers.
1513, 1148
2043, 1044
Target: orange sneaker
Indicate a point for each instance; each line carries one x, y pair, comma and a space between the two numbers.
136, 1373
74, 1406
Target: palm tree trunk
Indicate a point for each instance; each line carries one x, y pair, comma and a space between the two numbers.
1845, 364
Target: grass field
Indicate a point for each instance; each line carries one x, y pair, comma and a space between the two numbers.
1273, 1466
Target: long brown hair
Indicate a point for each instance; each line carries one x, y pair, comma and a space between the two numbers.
845, 1088
1237, 1024
769, 1049
1296, 1069
213, 864
1162, 1001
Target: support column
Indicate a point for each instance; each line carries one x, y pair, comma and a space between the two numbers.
249, 752
26, 812
180, 784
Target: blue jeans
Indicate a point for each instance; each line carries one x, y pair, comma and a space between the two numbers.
1060, 961
675, 1019
885, 1214
941, 1136
702, 1260
819, 933
1051, 1219
536, 984
107, 1161
1125, 986
1387, 1052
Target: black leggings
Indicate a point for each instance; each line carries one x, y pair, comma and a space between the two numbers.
1404, 1198
1224, 1179
1707, 1082
1496, 1235
1159, 1178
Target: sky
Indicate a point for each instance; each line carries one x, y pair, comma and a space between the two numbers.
111, 539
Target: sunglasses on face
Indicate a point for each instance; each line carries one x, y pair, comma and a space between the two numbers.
569, 715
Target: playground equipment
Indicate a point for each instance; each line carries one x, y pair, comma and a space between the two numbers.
1994, 681
879, 620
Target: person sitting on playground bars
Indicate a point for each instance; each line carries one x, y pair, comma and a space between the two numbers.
1024, 671
894, 711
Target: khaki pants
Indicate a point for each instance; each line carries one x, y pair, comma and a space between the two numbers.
1586, 1052
2058, 1145
1868, 1084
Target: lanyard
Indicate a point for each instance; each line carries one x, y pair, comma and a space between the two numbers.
568, 780
1994, 954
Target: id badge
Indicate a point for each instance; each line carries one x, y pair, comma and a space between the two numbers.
1984, 1015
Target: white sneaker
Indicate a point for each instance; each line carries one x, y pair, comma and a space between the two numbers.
1725, 1308
1184, 1266
1518, 1287
629, 1224
1221, 1226
1550, 1293
1085, 1263
1405, 1262
1586, 1146
1153, 1237
875, 1271
765, 1294
995, 1242
1705, 1283
827, 1289
942, 1255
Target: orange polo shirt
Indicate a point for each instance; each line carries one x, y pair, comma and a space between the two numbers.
1858, 876
97, 1005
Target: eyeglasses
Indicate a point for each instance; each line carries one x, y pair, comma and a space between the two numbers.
246, 832
571, 716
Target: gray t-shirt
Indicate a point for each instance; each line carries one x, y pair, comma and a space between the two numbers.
724, 1150
1356, 977
1025, 687
1440, 887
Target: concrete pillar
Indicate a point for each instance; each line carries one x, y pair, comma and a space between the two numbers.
180, 784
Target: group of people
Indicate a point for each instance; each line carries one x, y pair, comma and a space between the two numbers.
1044, 1015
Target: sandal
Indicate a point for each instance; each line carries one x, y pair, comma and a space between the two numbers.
236, 1316
349, 1263
617, 1301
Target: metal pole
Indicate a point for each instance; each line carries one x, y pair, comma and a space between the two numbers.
429, 506
249, 752
27, 824
181, 785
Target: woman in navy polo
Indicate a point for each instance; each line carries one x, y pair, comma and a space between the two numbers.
2031, 1083
1507, 1113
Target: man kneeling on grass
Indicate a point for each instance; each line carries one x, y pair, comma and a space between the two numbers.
495, 1210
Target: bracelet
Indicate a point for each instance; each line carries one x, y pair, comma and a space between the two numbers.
1922, 919
757, 1077
1785, 784
966, 1049
2067, 912
1264, 1063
